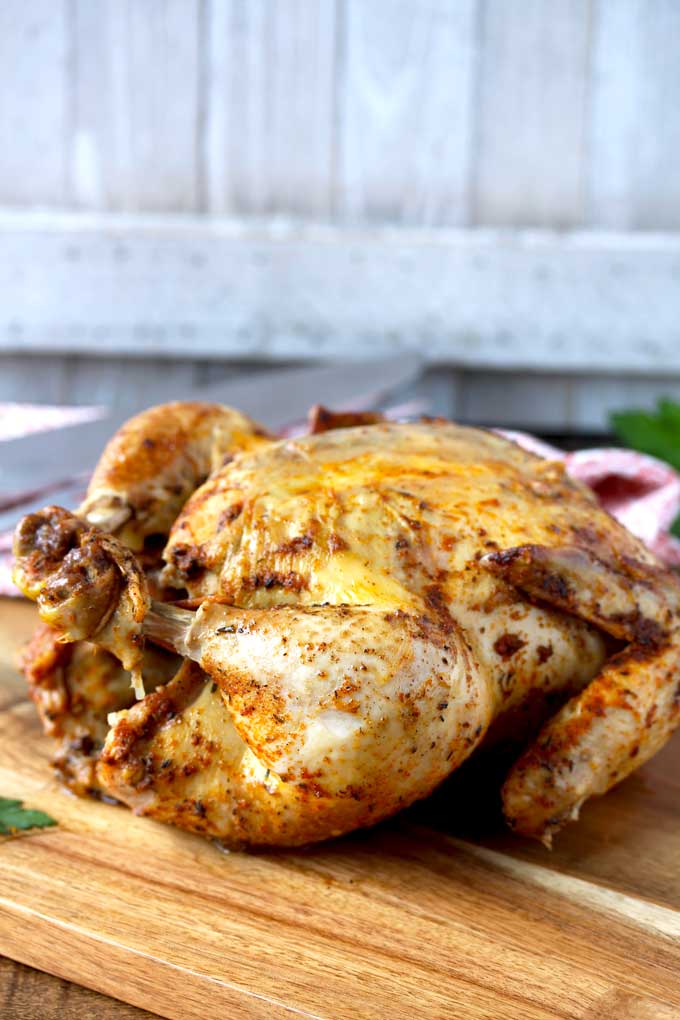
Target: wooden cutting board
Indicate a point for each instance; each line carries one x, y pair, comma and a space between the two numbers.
407, 921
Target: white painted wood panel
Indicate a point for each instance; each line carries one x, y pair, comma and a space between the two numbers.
108, 381
34, 103
270, 106
136, 105
116, 382
165, 286
531, 112
431, 114
656, 200
635, 115
615, 121
593, 400
556, 402
34, 378
406, 111
540, 402
514, 400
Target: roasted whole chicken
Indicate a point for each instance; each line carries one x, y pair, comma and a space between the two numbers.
320, 630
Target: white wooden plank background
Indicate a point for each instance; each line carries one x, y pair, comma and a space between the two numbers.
614, 114
530, 117
634, 123
431, 114
270, 93
144, 286
405, 111
547, 403
344, 139
658, 177
135, 105
35, 128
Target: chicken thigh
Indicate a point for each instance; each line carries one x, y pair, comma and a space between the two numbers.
366, 603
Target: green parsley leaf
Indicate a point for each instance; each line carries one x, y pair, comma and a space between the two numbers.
654, 432
15, 818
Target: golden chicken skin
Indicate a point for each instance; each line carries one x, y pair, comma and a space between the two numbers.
360, 607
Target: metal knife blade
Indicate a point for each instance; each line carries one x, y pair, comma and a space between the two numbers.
272, 398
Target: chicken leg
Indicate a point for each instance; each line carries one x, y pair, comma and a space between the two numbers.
627, 713
344, 713
357, 700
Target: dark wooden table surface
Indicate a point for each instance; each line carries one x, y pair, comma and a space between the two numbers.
27, 994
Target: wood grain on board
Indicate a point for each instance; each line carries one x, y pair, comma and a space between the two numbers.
409, 919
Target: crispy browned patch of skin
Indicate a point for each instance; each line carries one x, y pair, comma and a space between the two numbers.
189, 561
128, 749
545, 652
43, 661
336, 543
320, 419
43, 540
57, 558
577, 581
289, 581
508, 644
231, 514
295, 546
86, 583
155, 462
437, 602
162, 706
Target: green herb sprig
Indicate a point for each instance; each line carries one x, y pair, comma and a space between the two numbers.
14, 817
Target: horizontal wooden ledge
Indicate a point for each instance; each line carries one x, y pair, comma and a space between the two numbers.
150, 286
